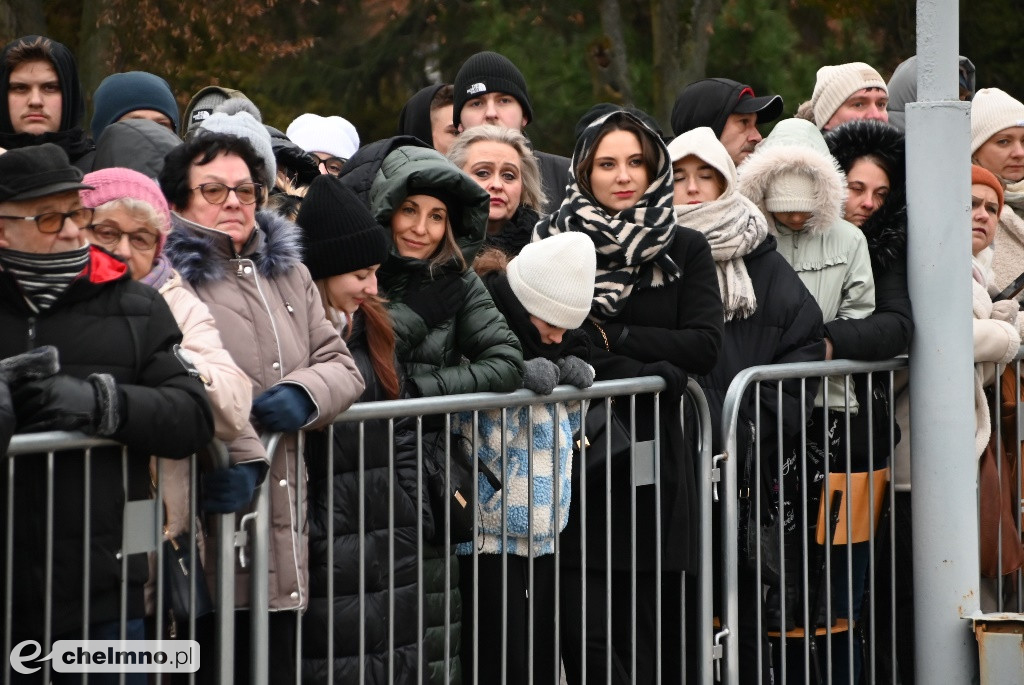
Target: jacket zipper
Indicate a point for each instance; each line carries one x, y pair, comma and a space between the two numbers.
31, 333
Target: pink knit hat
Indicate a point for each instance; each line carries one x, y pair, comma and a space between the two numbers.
117, 183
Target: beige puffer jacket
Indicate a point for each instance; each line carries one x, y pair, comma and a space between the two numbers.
272, 322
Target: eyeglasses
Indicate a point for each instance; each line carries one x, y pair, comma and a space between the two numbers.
53, 222
217, 193
332, 165
108, 236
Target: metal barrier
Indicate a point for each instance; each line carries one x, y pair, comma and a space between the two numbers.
794, 513
66, 469
461, 411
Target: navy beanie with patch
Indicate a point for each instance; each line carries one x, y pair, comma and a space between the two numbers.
489, 72
126, 92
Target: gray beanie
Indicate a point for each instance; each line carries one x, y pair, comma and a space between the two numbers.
239, 117
554, 278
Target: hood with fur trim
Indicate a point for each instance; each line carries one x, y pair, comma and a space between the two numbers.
202, 255
886, 229
796, 145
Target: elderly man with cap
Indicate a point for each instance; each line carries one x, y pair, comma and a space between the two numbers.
844, 92
490, 89
730, 109
121, 376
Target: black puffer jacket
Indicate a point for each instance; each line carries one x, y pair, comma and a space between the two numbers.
887, 332
515, 234
384, 481
137, 144
785, 328
102, 323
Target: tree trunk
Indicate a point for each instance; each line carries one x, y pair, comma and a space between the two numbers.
95, 54
21, 18
607, 58
667, 68
695, 49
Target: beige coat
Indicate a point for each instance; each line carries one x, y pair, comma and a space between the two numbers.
272, 322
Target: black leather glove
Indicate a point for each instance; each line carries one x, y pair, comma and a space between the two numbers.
438, 300
64, 402
231, 489
576, 372
675, 378
39, 362
541, 375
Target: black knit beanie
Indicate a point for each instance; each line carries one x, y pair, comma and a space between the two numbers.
489, 72
339, 233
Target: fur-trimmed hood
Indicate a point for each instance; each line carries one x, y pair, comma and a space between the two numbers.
795, 145
201, 255
886, 229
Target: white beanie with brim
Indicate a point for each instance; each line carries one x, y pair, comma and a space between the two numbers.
791, 192
334, 135
244, 125
701, 142
993, 110
554, 278
835, 83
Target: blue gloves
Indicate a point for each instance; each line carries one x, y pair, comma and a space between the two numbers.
283, 408
231, 489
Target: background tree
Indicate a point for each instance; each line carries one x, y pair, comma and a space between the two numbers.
364, 59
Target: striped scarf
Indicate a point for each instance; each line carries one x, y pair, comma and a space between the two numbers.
632, 246
43, 277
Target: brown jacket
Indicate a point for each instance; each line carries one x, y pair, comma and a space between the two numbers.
271, 320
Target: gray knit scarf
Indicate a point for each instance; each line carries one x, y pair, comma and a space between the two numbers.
733, 226
633, 245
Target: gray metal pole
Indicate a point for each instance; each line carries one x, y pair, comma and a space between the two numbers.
945, 521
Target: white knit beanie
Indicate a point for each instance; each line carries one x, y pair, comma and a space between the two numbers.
554, 278
701, 142
234, 117
333, 135
837, 82
790, 192
992, 110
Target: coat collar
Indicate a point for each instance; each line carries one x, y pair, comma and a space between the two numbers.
202, 255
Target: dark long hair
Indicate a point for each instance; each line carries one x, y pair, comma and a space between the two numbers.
648, 149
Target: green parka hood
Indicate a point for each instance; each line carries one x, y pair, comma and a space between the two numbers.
412, 170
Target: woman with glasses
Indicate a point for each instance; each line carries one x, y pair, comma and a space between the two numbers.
245, 265
131, 220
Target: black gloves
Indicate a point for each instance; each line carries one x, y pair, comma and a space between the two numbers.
37, 363
283, 408
436, 301
675, 378
231, 489
63, 402
576, 372
541, 375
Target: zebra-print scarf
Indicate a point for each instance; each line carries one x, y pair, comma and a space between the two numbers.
632, 246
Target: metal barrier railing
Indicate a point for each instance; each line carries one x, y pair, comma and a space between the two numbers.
794, 512
643, 469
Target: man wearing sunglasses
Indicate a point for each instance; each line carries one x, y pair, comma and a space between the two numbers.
118, 377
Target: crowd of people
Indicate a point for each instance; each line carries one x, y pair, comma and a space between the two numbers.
172, 277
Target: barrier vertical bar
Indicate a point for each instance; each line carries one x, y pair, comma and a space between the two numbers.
945, 522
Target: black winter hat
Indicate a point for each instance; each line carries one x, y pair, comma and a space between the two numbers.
710, 101
339, 233
489, 72
35, 171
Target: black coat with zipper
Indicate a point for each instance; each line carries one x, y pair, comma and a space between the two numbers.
102, 323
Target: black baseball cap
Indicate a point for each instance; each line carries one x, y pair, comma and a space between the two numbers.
710, 101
